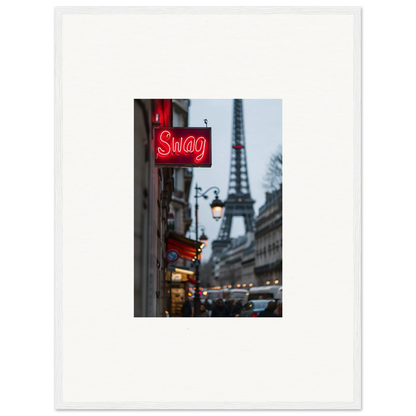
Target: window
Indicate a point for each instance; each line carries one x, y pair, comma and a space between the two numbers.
177, 218
177, 179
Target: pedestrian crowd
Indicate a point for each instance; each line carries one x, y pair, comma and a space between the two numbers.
272, 310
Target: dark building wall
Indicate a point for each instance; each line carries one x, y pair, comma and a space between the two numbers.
153, 189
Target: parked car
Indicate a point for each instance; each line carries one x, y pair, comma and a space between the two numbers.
253, 308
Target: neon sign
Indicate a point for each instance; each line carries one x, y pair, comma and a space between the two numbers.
182, 146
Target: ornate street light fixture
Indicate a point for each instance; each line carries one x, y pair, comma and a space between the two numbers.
203, 238
217, 208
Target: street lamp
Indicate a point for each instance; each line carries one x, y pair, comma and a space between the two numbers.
203, 238
217, 207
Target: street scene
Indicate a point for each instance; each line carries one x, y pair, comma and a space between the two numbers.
208, 208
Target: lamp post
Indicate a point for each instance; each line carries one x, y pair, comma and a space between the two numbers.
217, 207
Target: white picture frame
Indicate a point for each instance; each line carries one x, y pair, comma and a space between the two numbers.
82, 71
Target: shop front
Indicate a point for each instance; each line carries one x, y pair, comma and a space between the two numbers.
180, 279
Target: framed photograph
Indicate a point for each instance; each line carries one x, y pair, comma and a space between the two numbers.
173, 204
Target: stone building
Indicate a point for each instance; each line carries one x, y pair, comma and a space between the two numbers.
235, 264
268, 236
180, 218
180, 209
162, 213
153, 189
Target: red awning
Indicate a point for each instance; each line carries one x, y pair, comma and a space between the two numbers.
186, 247
190, 280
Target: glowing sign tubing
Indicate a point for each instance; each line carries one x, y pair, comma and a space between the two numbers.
183, 146
190, 145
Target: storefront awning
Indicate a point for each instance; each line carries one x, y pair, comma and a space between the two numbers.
186, 247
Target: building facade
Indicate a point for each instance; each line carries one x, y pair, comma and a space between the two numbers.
153, 189
234, 266
162, 213
248, 264
180, 217
254, 259
180, 208
268, 237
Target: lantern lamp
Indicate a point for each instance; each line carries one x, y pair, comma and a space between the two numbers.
217, 207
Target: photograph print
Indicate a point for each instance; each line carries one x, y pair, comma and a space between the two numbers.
208, 208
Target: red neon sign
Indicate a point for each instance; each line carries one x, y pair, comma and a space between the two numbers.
182, 146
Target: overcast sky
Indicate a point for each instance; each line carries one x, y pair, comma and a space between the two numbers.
263, 133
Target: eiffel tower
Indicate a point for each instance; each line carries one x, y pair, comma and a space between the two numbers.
239, 202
